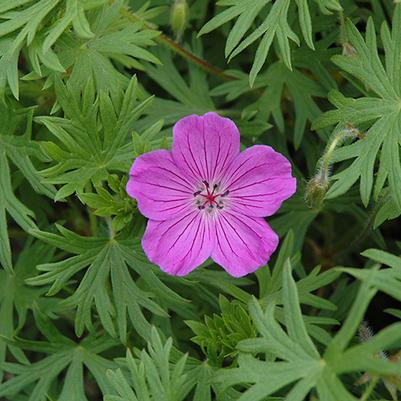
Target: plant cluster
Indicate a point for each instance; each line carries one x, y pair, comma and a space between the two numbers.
87, 86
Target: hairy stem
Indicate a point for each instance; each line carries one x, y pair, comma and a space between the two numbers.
177, 48
317, 186
337, 140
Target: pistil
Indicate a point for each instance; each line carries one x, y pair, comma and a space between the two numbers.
210, 197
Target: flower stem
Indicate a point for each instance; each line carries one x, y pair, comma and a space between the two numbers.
318, 185
337, 140
177, 48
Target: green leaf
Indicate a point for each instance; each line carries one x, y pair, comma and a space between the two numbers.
25, 24
19, 149
277, 84
116, 39
293, 315
65, 356
16, 298
106, 263
191, 96
291, 357
93, 136
219, 335
377, 153
386, 280
153, 374
383, 257
271, 24
305, 22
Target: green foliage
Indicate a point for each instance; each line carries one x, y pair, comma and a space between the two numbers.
92, 137
151, 374
220, 334
88, 49
378, 111
19, 148
291, 356
86, 86
191, 94
17, 298
38, 27
106, 260
273, 26
161, 372
115, 204
386, 280
63, 355
277, 80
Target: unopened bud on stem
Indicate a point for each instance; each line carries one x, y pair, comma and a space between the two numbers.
316, 191
179, 17
317, 186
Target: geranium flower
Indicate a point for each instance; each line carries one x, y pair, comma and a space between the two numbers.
206, 199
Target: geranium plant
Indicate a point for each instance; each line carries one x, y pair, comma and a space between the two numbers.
200, 200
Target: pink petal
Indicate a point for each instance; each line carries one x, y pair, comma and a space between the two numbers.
259, 180
160, 188
203, 146
243, 243
178, 245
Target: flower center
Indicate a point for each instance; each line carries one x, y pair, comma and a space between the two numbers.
209, 197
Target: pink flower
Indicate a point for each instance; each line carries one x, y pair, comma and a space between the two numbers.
206, 199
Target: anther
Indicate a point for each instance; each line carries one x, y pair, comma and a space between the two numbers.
225, 193
197, 193
206, 183
201, 207
220, 207
211, 206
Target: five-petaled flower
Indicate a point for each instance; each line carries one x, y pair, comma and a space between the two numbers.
206, 199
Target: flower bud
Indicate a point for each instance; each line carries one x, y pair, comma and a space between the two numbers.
316, 191
179, 17
317, 187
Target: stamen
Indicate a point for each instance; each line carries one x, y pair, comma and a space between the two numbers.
212, 199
